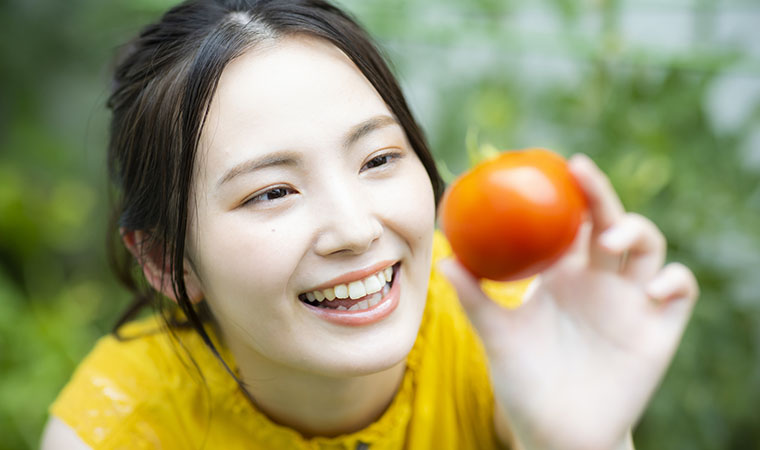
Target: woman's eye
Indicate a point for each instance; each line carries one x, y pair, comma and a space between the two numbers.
379, 160
270, 195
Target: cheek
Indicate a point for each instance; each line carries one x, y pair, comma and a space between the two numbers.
245, 265
412, 204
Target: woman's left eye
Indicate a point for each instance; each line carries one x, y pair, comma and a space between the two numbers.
379, 160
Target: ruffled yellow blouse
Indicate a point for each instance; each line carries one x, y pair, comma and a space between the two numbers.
144, 393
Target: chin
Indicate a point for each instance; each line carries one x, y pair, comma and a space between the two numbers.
373, 353
365, 363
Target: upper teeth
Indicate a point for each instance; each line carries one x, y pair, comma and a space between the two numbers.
355, 289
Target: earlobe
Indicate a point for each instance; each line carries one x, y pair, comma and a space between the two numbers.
150, 259
192, 285
157, 271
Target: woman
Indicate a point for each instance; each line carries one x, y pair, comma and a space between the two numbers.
274, 185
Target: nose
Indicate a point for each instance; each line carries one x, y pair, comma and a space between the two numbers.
348, 222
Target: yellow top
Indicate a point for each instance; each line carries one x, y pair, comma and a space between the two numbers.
145, 392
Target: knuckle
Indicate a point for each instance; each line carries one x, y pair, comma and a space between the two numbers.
638, 221
647, 230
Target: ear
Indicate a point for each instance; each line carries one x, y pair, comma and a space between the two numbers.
158, 272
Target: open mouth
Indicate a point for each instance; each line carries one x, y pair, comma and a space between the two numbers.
354, 296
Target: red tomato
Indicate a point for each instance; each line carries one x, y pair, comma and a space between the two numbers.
513, 216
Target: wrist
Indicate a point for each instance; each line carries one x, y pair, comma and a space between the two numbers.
518, 443
514, 438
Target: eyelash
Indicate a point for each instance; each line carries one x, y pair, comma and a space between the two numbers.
284, 190
264, 196
388, 158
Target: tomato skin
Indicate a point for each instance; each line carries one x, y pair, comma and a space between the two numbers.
513, 216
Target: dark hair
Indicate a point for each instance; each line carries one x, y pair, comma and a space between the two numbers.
162, 89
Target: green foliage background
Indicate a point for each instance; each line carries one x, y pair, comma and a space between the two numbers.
472, 70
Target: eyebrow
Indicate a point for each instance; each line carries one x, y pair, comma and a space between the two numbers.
362, 129
271, 160
287, 158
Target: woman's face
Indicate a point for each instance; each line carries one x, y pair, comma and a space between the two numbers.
305, 185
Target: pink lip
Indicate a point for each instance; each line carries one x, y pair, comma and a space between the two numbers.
365, 317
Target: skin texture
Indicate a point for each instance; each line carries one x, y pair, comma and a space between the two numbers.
252, 250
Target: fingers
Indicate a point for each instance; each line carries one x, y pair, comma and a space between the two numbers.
674, 281
603, 203
638, 245
675, 291
625, 243
604, 206
484, 314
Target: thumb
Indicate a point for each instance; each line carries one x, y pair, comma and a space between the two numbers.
485, 315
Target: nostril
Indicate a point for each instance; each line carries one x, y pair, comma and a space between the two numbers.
348, 237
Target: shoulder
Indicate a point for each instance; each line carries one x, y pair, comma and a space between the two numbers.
122, 385
120, 367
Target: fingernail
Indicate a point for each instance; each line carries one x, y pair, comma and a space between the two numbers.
657, 289
580, 160
614, 238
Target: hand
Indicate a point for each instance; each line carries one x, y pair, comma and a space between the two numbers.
574, 366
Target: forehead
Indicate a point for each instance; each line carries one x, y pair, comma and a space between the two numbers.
295, 92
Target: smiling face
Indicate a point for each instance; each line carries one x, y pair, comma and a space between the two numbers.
306, 185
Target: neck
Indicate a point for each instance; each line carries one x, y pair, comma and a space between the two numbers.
316, 405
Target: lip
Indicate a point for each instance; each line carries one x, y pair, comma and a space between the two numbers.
355, 275
374, 314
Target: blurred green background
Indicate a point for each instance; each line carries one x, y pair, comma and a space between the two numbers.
664, 95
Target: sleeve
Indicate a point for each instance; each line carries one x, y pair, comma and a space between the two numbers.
117, 398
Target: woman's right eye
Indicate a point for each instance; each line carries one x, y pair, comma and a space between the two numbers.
269, 195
